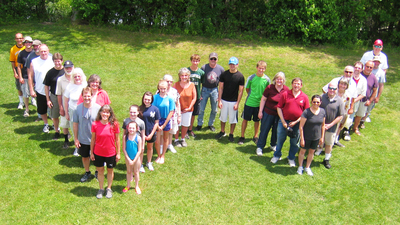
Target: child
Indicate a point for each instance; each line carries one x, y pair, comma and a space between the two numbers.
134, 112
255, 87
132, 150
166, 106
151, 116
196, 77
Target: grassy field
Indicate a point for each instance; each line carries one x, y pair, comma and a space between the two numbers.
210, 181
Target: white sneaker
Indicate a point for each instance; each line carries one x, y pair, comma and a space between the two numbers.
26, 114
76, 152
33, 102
46, 128
368, 120
150, 166
309, 172
171, 148
275, 159
20, 105
142, 169
300, 170
292, 163
318, 152
273, 148
259, 151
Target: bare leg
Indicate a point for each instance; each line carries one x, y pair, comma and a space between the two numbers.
244, 126
222, 127
110, 176
184, 132
136, 172
149, 151
100, 177
310, 157
86, 163
301, 156
256, 128
233, 128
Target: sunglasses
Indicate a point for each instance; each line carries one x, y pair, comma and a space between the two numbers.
331, 88
377, 46
315, 102
348, 71
369, 67
214, 59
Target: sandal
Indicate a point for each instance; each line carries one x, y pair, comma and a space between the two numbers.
357, 132
126, 189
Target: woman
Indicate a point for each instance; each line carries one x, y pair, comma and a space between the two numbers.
267, 112
100, 96
187, 99
176, 117
72, 94
105, 145
166, 105
312, 131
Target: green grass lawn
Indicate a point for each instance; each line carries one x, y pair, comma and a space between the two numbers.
210, 181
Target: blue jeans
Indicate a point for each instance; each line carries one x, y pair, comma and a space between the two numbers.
267, 122
206, 93
294, 142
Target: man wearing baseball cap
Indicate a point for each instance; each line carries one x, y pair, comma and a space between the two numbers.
14, 51
377, 51
231, 85
23, 74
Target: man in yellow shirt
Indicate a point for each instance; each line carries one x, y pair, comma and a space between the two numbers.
14, 51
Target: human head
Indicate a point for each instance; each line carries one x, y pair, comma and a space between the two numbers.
169, 79
344, 82
133, 111
68, 67
78, 76
332, 89
36, 43
162, 86
87, 94
233, 64
261, 67
213, 58
358, 67
106, 108
377, 46
147, 98
297, 84
348, 71
28, 42
377, 61
316, 100
369, 66
58, 59
28, 39
278, 76
194, 57
43, 51
19, 38
94, 81
132, 126
184, 71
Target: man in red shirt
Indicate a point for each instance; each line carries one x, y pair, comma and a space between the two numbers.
290, 107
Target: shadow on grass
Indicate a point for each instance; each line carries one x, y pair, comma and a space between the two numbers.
69, 178
204, 135
36, 132
55, 147
83, 191
71, 162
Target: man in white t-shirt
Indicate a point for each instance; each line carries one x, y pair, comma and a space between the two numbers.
377, 51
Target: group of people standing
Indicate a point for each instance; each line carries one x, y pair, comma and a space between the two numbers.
63, 94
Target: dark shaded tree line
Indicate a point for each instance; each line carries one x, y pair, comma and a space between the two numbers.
298, 21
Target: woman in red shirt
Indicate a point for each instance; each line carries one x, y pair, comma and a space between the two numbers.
105, 146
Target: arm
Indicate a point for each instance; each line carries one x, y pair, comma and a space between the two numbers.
140, 150
47, 91
93, 140
301, 126
21, 79
66, 107
118, 146
167, 120
335, 121
194, 98
372, 98
379, 92
76, 129
322, 139
124, 148
152, 131
14, 70
280, 114
247, 90
351, 110
261, 108
60, 105
236, 106
30, 81
221, 88
142, 138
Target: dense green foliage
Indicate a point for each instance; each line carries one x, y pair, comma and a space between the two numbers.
299, 21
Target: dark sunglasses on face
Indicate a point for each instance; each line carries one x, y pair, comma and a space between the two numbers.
315, 102
377, 46
213, 59
331, 88
348, 71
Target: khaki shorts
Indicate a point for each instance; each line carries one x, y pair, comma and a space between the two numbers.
329, 138
54, 112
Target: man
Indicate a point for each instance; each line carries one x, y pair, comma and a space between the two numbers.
84, 115
23, 73
210, 90
381, 76
351, 93
361, 92
37, 72
196, 77
50, 84
334, 109
34, 54
14, 51
372, 86
377, 51
231, 85
62, 83
290, 107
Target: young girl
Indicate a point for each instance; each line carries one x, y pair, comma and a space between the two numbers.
151, 116
105, 145
134, 112
131, 145
166, 106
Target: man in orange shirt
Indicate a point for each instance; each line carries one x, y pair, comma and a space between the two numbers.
14, 51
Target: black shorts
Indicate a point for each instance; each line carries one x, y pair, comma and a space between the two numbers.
250, 113
84, 150
153, 139
196, 108
41, 102
310, 144
100, 160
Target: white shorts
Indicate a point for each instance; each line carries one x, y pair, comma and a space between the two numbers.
64, 123
185, 119
174, 126
330, 138
227, 110
362, 109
